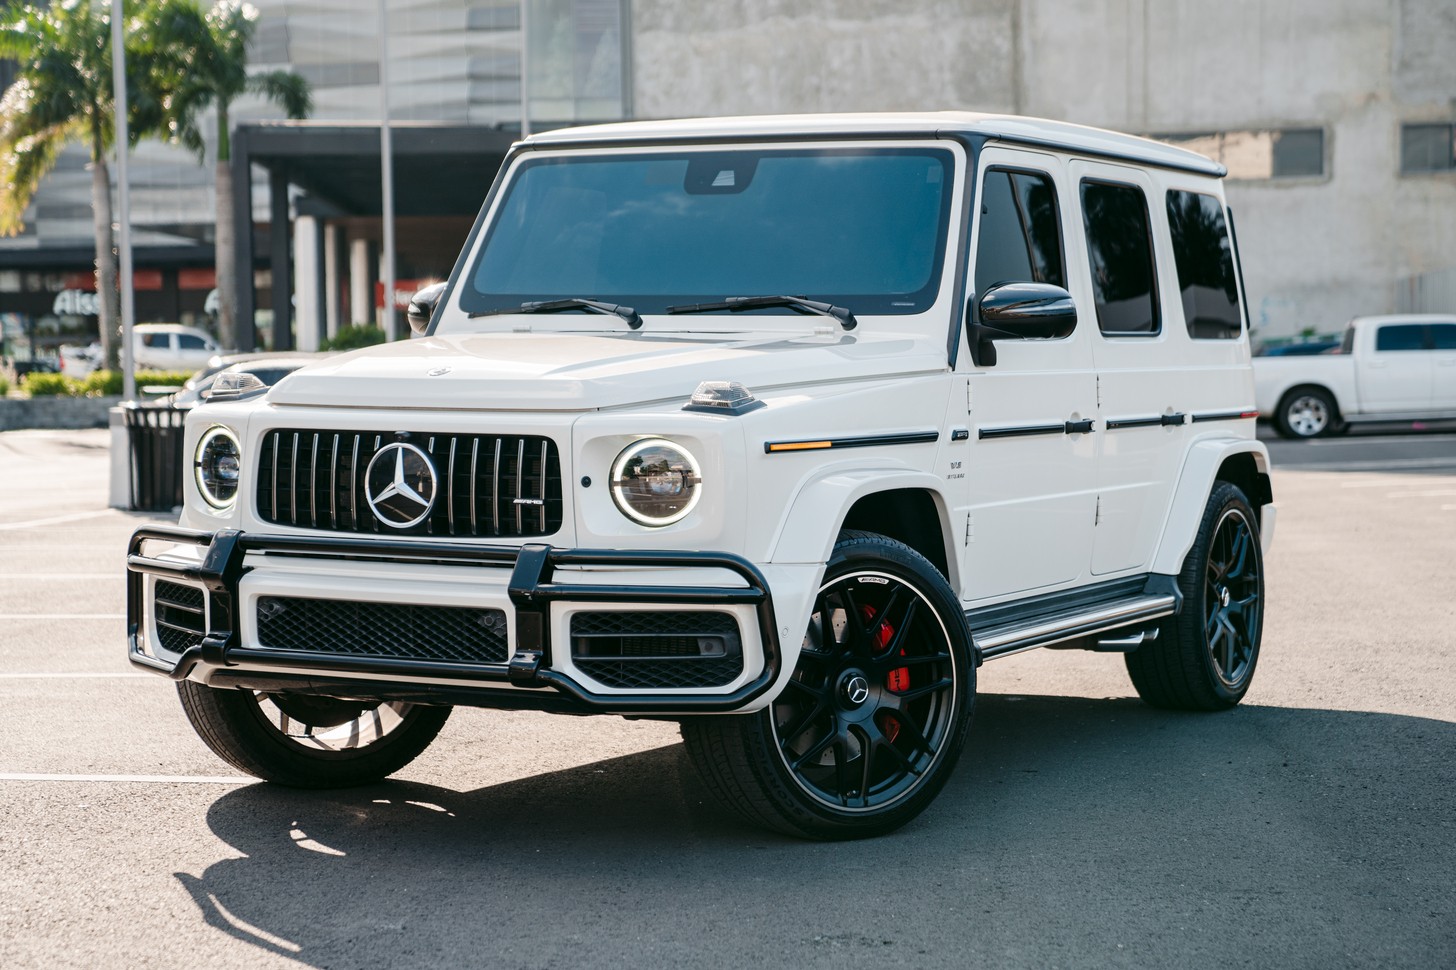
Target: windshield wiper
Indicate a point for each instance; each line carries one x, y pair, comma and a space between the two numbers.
737, 303
634, 320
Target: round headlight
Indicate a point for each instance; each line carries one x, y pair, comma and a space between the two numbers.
656, 482
218, 464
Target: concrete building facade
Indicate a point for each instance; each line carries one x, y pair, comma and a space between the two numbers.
1335, 118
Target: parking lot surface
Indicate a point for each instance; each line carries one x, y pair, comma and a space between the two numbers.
1315, 826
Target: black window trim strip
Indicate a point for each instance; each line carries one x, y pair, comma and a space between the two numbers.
855, 441
1016, 431
1157, 420
1224, 415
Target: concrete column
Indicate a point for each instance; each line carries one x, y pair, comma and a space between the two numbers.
307, 277
280, 266
331, 278
361, 293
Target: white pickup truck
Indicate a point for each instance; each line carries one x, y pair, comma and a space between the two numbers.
1393, 368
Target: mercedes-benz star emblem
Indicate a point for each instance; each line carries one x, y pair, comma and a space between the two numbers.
857, 689
400, 485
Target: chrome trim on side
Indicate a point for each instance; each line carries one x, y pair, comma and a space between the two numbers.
1005, 641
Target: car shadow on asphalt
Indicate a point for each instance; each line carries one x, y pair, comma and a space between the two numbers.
1073, 816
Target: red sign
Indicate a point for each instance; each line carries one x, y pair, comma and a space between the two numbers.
403, 290
196, 279
141, 279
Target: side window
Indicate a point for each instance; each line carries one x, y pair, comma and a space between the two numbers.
187, 341
1020, 235
1120, 248
1205, 263
1445, 334
1401, 336
154, 339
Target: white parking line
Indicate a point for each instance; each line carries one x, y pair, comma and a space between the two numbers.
53, 577
81, 675
142, 779
1425, 493
62, 616
54, 520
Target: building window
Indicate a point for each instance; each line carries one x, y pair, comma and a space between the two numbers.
1427, 148
1260, 154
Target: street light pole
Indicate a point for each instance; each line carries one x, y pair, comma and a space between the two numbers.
386, 161
123, 200
525, 61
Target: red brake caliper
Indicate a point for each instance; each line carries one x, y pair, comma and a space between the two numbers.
898, 680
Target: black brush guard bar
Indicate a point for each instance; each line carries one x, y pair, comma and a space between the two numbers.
531, 591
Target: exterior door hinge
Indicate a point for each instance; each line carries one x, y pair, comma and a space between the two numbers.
1097, 513
970, 529
968, 397
1099, 392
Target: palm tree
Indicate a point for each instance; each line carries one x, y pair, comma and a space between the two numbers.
214, 48
63, 93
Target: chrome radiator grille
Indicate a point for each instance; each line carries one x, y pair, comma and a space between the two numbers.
486, 485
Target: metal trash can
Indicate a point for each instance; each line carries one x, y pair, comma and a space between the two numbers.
155, 437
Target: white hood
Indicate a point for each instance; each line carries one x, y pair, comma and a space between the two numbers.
561, 371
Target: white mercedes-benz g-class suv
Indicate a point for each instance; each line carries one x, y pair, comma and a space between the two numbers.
775, 427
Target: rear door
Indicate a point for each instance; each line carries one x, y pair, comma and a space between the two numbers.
1443, 384
1398, 372
1143, 360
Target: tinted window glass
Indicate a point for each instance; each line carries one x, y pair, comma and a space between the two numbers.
1445, 334
862, 228
188, 342
154, 339
1205, 263
1120, 249
1347, 343
1404, 336
1020, 236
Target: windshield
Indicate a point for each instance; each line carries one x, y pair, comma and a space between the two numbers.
862, 228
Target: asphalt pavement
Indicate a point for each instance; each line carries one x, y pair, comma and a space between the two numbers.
1314, 826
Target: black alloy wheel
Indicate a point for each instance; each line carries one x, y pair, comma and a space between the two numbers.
1231, 598
871, 722
1203, 658
308, 741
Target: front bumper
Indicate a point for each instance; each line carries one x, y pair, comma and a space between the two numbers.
223, 659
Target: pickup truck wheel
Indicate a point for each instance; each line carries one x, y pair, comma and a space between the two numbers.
875, 715
309, 742
1203, 658
1306, 412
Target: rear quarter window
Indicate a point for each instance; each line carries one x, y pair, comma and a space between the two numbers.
1204, 257
1120, 252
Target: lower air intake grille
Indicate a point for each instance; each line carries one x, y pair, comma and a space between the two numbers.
657, 649
180, 614
442, 634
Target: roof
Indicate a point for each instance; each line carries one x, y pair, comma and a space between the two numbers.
1009, 128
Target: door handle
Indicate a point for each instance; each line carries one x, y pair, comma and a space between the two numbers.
1079, 427
1175, 418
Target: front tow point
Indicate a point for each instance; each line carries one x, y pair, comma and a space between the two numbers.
523, 668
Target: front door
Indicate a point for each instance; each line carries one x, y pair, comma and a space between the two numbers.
1398, 372
1030, 481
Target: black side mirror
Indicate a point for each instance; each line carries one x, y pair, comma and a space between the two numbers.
422, 306
1020, 311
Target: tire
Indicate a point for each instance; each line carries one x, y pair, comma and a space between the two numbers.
866, 732
305, 741
1204, 657
1306, 412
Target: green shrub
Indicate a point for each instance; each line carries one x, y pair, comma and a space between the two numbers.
37, 384
354, 336
4, 387
100, 383
104, 383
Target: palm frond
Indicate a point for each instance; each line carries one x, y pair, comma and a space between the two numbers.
286, 89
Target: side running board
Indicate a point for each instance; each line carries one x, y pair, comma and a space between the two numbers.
1010, 628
